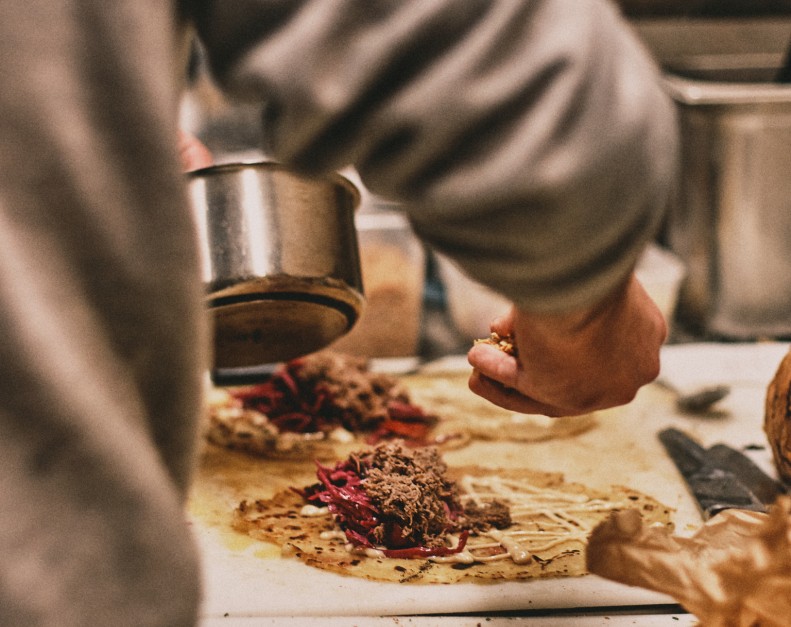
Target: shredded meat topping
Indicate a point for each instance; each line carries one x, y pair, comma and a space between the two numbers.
361, 397
482, 517
409, 487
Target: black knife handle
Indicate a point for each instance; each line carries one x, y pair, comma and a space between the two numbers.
687, 455
749, 474
716, 490
719, 477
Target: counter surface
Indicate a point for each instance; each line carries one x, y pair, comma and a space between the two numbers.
243, 581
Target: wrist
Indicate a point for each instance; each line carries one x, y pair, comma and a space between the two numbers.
581, 321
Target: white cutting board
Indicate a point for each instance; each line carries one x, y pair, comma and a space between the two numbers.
246, 578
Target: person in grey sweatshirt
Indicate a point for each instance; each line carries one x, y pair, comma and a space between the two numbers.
530, 141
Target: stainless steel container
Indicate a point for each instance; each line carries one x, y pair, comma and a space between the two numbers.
731, 221
280, 260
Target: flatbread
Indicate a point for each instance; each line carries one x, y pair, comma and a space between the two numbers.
552, 520
319, 404
232, 426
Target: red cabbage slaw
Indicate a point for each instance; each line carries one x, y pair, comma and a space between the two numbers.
341, 489
295, 405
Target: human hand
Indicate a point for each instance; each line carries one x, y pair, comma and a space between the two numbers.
575, 363
193, 153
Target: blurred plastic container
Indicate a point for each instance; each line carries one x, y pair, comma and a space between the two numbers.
472, 306
393, 265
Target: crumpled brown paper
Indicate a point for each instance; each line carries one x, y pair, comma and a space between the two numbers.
734, 571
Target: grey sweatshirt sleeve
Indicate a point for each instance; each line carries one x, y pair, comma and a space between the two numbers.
529, 140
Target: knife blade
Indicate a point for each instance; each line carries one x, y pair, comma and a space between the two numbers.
719, 477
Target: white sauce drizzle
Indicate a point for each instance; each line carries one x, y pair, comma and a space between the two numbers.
333, 534
312, 510
543, 519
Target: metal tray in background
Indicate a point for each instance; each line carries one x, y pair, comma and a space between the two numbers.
731, 220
